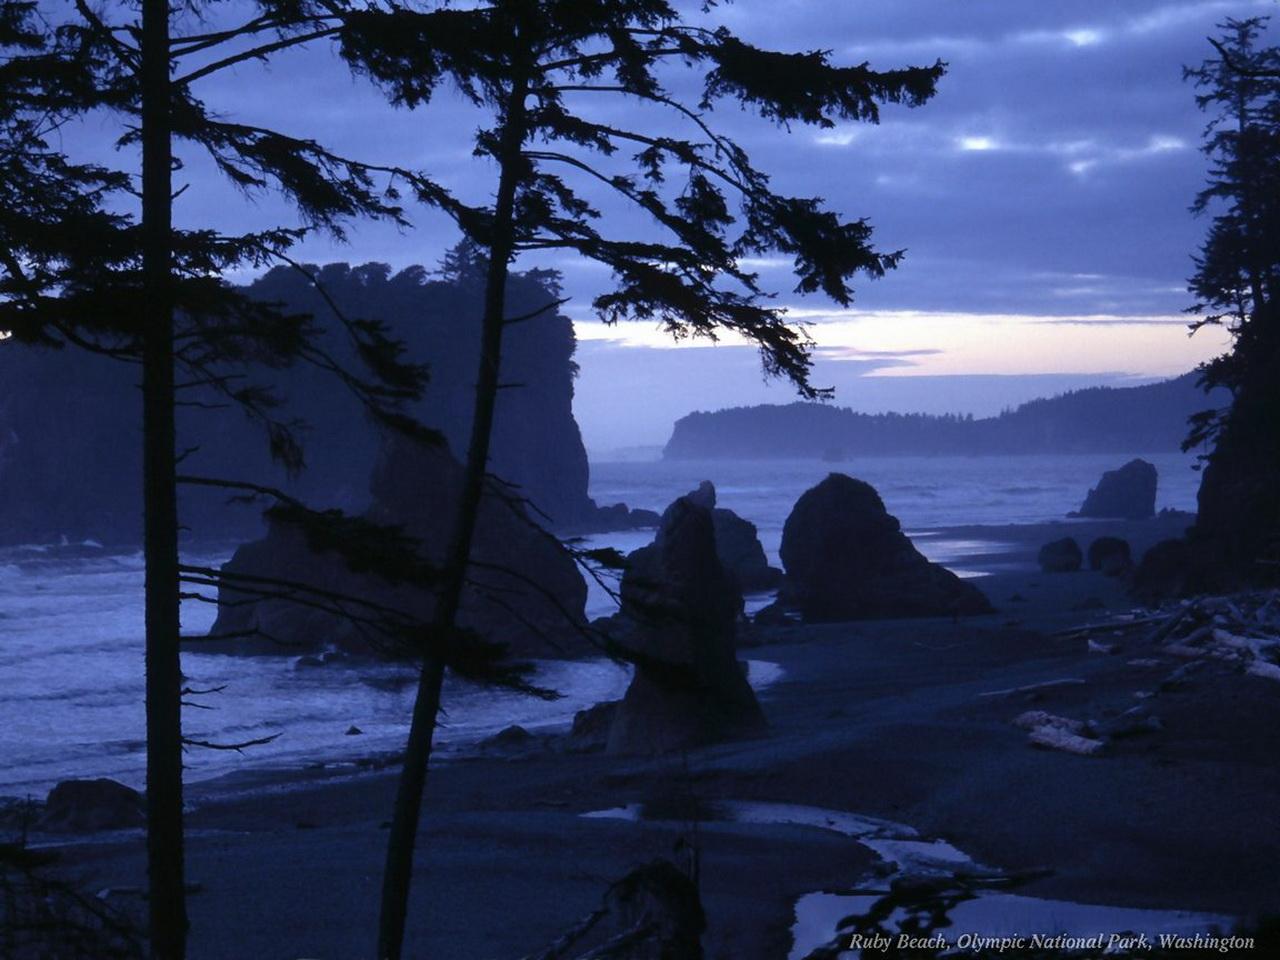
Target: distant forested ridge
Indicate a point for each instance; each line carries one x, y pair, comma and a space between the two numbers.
1145, 419
70, 444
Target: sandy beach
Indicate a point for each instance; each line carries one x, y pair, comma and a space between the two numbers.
910, 721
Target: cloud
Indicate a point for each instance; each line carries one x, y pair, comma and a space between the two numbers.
936, 343
892, 357
1069, 37
1062, 141
676, 382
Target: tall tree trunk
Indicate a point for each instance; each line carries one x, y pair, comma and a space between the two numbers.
398, 874
168, 909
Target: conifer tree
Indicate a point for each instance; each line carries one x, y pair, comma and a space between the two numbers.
544, 71
130, 285
1237, 285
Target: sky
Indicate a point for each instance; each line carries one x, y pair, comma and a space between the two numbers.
1041, 197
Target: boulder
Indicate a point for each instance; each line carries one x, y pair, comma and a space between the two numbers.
82, 806
1110, 555
846, 558
1060, 556
1165, 571
773, 615
1128, 493
512, 739
737, 543
590, 730
614, 516
639, 517
683, 607
524, 588
739, 549
617, 516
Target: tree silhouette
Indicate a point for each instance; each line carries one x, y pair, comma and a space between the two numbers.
1236, 270
536, 67
134, 287
1237, 285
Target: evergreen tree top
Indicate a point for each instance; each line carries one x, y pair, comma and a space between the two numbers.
540, 67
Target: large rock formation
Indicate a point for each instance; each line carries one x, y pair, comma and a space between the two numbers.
536, 444
1167, 570
525, 589
846, 558
1128, 493
70, 442
737, 544
79, 806
739, 548
1060, 556
1110, 555
682, 609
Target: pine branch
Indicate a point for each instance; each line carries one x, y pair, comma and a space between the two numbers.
238, 747
1235, 66
257, 53
198, 42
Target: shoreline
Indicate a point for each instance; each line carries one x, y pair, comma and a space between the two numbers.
1015, 547
908, 721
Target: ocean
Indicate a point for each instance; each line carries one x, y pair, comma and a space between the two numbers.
71, 623
924, 493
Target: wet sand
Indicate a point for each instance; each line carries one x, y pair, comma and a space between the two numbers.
888, 719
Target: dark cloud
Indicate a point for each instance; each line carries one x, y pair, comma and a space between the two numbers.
1090, 165
1090, 159
1050, 176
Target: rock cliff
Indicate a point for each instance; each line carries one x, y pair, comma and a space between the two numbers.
524, 589
69, 421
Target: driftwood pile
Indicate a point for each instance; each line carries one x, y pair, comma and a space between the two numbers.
1240, 630
1059, 733
1244, 629
1085, 737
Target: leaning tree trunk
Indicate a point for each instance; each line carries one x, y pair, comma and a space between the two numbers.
398, 873
168, 909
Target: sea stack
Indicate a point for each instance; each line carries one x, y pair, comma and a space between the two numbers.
682, 608
1128, 493
846, 558
524, 588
